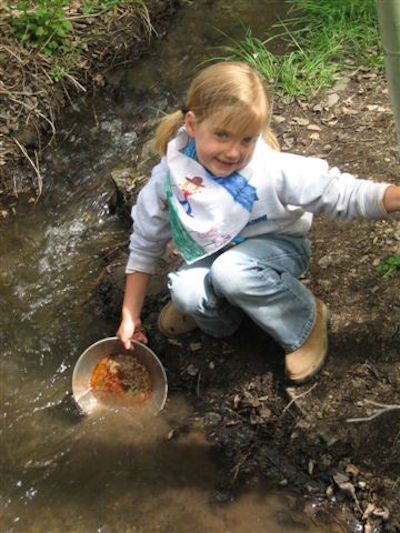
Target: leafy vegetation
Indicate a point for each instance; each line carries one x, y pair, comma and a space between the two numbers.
42, 26
94, 6
321, 38
46, 25
390, 266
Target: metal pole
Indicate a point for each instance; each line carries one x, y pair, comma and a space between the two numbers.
389, 21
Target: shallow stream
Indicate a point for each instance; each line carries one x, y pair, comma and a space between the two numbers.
61, 471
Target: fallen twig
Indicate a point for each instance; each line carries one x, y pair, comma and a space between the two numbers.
236, 469
297, 397
384, 408
35, 166
36, 111
198, 385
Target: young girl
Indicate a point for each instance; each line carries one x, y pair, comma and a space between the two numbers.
239, 212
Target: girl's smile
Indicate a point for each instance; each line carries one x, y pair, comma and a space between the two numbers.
221, 149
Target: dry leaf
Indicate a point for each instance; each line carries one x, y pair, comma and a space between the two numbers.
236, 401
300, 121
348, 111
265, 412
304, 105
195, 346
332, 100
192, 370
99, 79
352, 470
368, 510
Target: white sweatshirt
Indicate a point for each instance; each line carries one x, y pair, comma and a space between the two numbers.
291, 188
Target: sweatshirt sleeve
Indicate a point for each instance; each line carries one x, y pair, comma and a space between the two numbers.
151, 229
310, 183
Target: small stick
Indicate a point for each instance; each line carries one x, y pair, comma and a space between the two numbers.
74, 82
36, 111
198, 385
40, 179
236, 469
297, 397
383, 409
34, 166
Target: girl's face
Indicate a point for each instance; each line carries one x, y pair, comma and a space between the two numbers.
220, 149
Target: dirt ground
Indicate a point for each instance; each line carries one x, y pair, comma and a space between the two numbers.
301, 437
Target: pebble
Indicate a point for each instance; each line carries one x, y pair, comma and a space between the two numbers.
325, 261
212, 419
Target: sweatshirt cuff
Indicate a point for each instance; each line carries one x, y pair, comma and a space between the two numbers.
374, 204
136, 265
384, 187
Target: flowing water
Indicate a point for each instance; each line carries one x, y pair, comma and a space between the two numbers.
59, 470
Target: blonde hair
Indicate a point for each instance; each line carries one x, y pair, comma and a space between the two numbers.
231, 84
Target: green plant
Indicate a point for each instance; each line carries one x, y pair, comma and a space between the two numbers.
390, 266
42, 25
93, 6
321, 38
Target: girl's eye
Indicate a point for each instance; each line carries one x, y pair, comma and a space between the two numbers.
221, 134
247, 140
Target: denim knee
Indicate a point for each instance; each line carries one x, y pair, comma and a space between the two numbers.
229, 276
181, 290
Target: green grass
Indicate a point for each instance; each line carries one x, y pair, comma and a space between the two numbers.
321, 39
390, 266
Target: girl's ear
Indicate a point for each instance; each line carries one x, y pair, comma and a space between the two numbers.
190, 123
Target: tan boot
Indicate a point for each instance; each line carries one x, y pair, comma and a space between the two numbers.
173, 323
306, 361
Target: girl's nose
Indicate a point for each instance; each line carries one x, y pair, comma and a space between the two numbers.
233, 151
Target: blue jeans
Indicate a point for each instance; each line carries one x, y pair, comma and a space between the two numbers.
258, 277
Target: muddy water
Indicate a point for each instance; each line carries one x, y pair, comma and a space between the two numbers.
60, 471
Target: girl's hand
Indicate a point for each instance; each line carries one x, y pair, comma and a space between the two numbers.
131, 329
391, 199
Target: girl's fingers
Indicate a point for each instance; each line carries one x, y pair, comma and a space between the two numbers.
125, 333
128, 345
140, 337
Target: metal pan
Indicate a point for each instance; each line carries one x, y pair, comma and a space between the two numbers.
81, 388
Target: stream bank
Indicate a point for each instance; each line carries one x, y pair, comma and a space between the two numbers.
37, 87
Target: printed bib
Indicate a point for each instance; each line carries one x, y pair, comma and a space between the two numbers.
206, 212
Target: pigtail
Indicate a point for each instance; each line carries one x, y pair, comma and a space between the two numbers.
271, 139
167, 129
